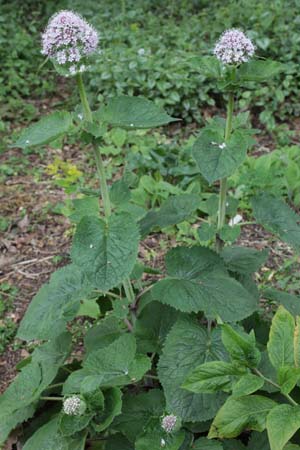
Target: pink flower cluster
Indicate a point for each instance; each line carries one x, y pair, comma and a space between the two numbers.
234, 47
68, 40
168, 423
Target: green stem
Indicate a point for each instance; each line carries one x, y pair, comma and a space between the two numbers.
101, 172
223, 181
54, 399
52, 386
268, 380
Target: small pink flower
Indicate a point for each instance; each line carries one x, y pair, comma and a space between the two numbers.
168, 423
68, 40
234, 47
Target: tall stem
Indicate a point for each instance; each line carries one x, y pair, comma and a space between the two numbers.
223, 182
102, 176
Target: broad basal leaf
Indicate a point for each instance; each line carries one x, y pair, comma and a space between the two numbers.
212, 377
156, 440
259, 70
188, 345
243, 260
49, 437
238, 414
102, 334
132, 113
45, 130
282, 423
139, 412
117, 442
217, 159
197, 281
56, 303
207, 444
276, 216
9, 422
112, 408
281, 339
106, 252
258, 441
174, 210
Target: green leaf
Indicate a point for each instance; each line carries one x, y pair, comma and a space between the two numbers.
207, 232
259, 70
276, 216
86, 206
47, 129
212, 377
70, 425
241, 346
247, 384
237, 414
48, 437
156, 440
112, 408
288, 377
281, 339
35, 376
138, 412
217, 159
230, 233
244, 260
117, 442
152, 326
173, 211
207, 444
102, 334
187, 345
198, 281
118, 136
233, 444
297, 343
106, 252
89, 308
132, 113
208, 66
9, 422
119, 193
258, 441
282, 423
289, 301
56, 303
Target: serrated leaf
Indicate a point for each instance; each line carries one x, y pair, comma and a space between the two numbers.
208, 66
173, 211
83, 207
282, 423
117, 442
56, 303
48, 437
8, 422
217, 159
290, 301
241, 346
259, 70
207, 444
207, 232
156, 440
237, 414
276, 216
102, 334
119, 193
212, 377
69, 425
281, 339
132, 113
48, 129
188, 345
198, 281
152, 326
258, 441
297, 343
106, 252
243, 260
35, 376
112, 408
233, 444
138, 412
247, 384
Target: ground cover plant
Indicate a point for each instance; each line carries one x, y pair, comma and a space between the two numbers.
181, 362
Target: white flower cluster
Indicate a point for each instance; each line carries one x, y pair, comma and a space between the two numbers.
168, 423
234, 47
72, 406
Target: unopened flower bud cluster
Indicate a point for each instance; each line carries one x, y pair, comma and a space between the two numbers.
68, 40
234, 47
169, 423
72, 406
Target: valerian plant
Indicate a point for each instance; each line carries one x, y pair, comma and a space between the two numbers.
165, 362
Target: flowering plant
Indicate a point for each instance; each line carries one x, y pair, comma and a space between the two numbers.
161, 357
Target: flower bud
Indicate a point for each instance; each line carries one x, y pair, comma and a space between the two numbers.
74, 406
169, 423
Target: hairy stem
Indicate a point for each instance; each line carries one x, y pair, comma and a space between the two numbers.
268, 380
223, 181
54, 399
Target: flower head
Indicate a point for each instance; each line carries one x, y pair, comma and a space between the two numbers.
234, 47
73, 406
68, 40
168, 423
